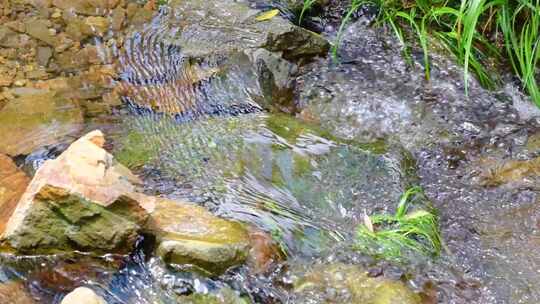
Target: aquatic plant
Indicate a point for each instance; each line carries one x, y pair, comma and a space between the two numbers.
390, 236
476, 31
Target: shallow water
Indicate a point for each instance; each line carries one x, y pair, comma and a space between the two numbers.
366, 129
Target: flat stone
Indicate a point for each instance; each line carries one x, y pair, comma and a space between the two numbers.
189, 236
36, 120
13, 183
38, 28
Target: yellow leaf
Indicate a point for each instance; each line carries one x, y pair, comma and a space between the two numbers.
267, 15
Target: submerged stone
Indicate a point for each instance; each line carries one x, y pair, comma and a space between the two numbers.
38, 119
191, 237
341, 283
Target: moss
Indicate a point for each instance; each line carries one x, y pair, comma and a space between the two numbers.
290, 128
135, 150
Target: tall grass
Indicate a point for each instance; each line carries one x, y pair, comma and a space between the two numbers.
477, 32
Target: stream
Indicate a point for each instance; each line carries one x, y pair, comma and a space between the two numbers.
205, 104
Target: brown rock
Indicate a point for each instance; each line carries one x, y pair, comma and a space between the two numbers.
13, 182
16, 25
39, 29
14, 292
516, 173
11, 39
118, 17
264, 251
37, 119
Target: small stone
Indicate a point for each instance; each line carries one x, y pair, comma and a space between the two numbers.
57, 14
98, 25
52, 32
44, 54
20, 82
83, 295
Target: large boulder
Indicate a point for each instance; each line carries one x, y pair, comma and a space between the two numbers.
13, 182
36, 120
190, 236
226, 26
341, 283
82, 200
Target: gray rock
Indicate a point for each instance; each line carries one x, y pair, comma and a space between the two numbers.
44, 54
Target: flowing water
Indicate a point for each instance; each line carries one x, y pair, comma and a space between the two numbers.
363, 131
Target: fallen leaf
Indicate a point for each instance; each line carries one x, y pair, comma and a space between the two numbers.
267, 15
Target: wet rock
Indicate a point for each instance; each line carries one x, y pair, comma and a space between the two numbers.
35, 119
275, 77
83, 295
209, 33
264, 251
515, 173
82, 200
210, 27
340, 283
14, 292
191, 237
13, 183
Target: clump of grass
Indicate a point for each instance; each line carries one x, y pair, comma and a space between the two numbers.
391, 236
521, 28
470, 29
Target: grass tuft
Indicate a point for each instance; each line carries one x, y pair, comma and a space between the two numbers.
477, 32
392, 236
